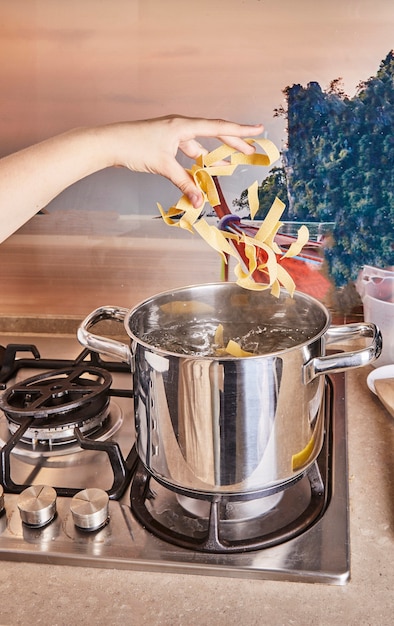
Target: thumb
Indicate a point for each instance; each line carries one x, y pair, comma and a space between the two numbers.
182, 179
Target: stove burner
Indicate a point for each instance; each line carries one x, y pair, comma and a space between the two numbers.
65, 410
299, 506
33, 444
59, 401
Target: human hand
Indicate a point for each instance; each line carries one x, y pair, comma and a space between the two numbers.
152, 145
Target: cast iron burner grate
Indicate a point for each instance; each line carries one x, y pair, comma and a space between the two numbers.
67, 404
59, 401
296, 507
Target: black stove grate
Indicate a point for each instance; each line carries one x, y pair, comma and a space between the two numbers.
11, 363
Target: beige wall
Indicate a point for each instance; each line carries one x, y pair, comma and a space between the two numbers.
65, 64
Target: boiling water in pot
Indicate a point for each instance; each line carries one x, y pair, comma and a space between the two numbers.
186, 321
196, 337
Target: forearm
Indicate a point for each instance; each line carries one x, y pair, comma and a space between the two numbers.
31, 178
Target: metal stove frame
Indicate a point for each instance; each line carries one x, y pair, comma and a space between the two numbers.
319, 554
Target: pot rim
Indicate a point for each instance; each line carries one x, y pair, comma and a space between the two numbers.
163, 352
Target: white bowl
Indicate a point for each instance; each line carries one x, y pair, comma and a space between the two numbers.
387, 371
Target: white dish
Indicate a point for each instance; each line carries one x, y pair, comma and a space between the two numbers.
386, 371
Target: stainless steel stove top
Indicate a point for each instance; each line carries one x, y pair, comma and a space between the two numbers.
321, 553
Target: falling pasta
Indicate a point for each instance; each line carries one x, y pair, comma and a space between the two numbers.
259, 256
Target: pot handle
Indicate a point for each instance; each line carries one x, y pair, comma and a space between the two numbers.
104, 345
342, 361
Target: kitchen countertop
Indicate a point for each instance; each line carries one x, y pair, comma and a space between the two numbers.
106, 272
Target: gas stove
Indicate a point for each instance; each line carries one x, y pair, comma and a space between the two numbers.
74, 492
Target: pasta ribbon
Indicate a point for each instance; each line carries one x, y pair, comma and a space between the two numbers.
260, 253
301, 458
232, 348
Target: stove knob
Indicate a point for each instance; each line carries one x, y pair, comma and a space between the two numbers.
89, 509
37, 505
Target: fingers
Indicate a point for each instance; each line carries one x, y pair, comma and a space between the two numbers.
221, 128
214, 128
229, 133
238, 144
192, 148
179, 177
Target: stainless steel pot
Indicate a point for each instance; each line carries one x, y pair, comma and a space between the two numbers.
217, 424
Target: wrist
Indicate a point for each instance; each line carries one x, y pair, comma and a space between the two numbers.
111, 144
